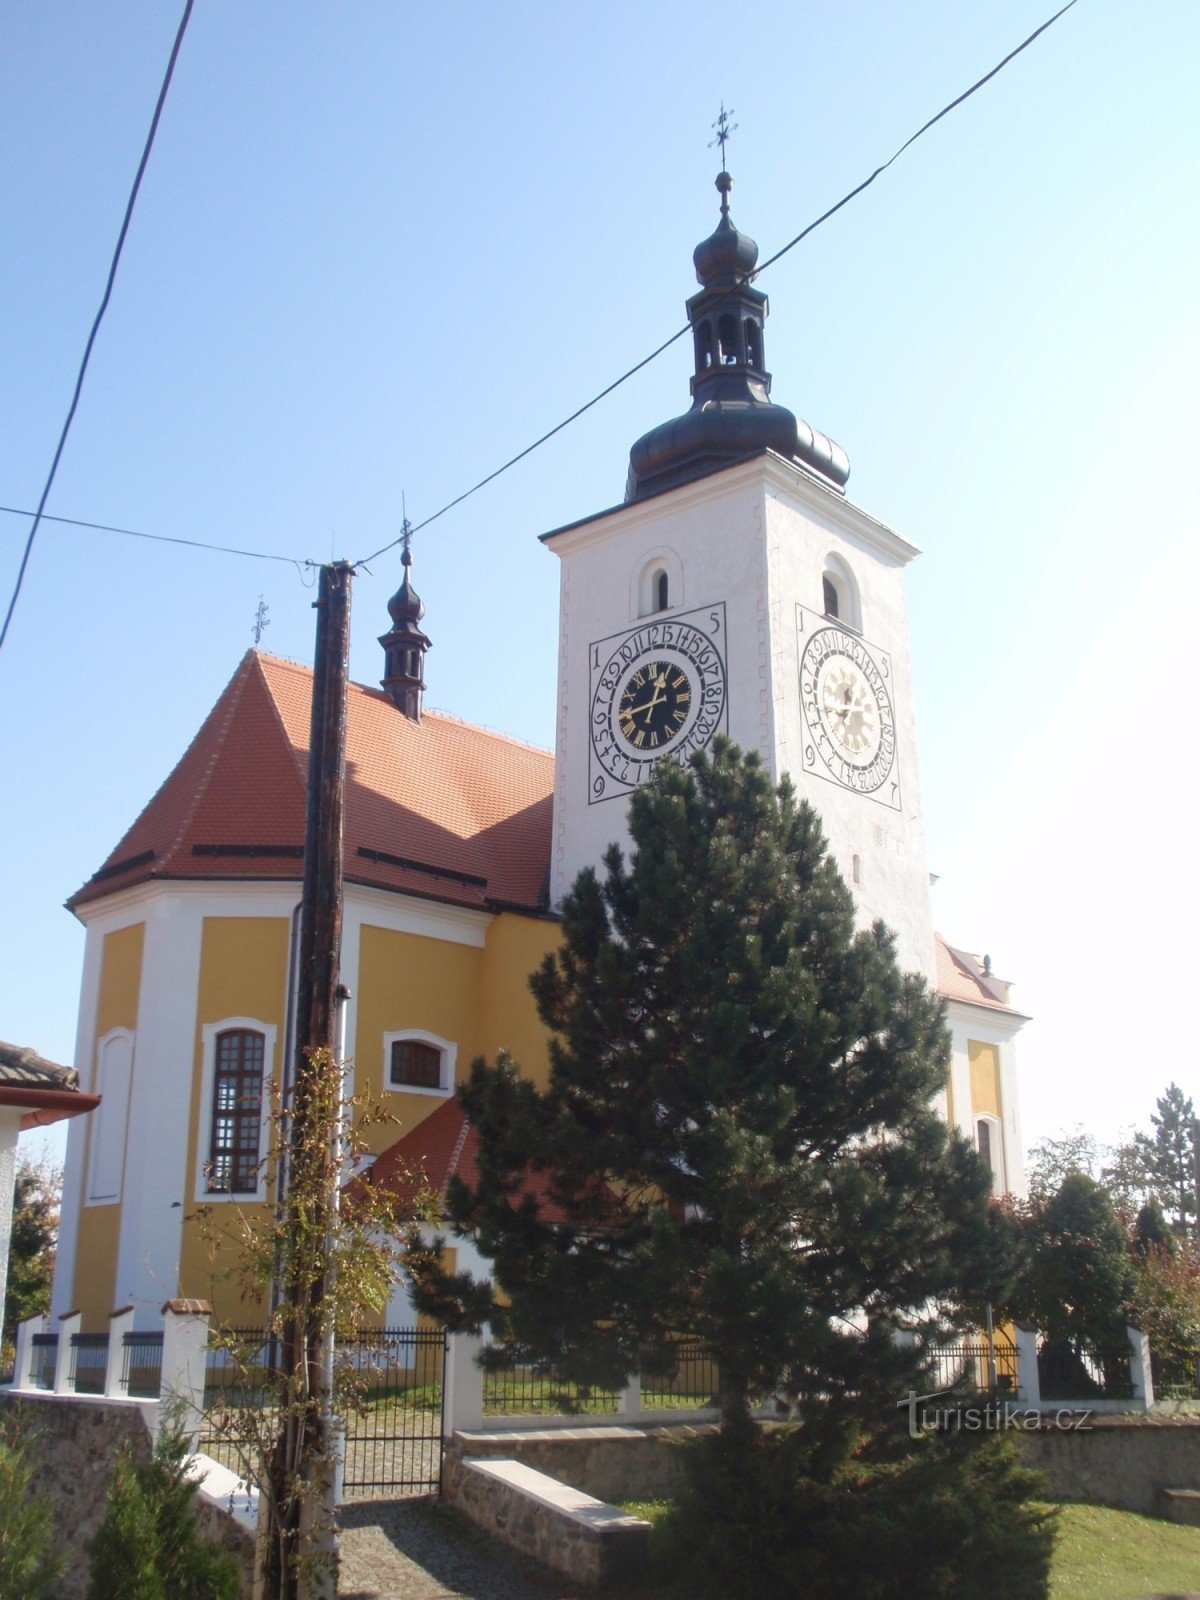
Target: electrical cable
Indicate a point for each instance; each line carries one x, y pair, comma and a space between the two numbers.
91, 339
160, 538
769, 262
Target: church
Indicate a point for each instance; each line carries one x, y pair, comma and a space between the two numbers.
736, 589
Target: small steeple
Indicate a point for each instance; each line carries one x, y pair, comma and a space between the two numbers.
732, 415
404, 645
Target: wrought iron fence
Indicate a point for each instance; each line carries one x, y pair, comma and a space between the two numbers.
1074, 1369
390, 1393
974, 1364
1176, 1374
141, 1365
513, 1387
89, 1362
690, 1382
45, 1360
393, 1393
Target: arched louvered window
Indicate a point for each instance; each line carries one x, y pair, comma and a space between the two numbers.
237, 1110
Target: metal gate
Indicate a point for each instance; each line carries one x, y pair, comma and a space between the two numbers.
394, 1434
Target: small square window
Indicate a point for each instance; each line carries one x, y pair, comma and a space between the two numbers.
415, 1065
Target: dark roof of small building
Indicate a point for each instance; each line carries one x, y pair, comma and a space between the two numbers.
23, 1068
42, 1090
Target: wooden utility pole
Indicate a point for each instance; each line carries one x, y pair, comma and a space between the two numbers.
312, 1116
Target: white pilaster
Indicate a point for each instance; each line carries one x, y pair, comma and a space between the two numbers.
185, 1344
23, 1365
154, 1197
119, 1324
63, 1291
68, 1327
463, 1384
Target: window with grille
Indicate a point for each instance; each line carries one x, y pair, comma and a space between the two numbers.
236, 1112
415, 1065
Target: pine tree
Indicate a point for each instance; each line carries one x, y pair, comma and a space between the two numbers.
1172, 1154
738, 1142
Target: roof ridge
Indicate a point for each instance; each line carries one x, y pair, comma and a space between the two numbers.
377, 693
235, 689
456, 1153
298, 761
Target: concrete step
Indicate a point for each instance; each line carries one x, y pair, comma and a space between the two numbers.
1183, 1505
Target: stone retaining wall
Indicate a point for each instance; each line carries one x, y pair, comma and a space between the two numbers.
612, 1463
73, 1445
1123, 1461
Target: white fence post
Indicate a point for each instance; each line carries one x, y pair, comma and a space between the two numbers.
1029, 1388
185, 1344
23, 1364
630, 1403
68, 1325
119, 1324
1139, 1369
463, 1383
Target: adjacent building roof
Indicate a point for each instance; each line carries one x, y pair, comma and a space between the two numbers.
45, 1091
435, 808
445, 1145
969, 978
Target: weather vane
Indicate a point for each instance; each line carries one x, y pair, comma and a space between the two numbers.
261, 620
406, 534
723, 128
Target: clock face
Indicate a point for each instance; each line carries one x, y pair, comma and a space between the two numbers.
657, 691
848, 713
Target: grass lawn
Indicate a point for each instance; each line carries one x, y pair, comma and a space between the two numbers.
1113, 1555
1101, 1554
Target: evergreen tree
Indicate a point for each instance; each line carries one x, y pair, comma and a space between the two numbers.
36, 1196
1152, 1231
124, 1552
738, 1141
1171, 1155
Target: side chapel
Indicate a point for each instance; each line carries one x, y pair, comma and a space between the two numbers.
736, 589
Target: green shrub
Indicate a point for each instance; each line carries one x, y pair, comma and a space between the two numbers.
148, 1547
943, 1516
29, 1569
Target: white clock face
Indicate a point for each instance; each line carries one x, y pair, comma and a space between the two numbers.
658, 692
848, 711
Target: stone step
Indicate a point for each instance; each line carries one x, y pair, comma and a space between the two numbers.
1183, 1505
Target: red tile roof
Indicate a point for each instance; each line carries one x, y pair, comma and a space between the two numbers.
443, 1146
962, 976
437, 808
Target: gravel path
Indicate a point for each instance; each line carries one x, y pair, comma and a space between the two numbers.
417, 1550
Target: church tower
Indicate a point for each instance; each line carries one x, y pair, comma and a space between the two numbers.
738, 590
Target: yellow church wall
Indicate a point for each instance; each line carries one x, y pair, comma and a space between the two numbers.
984, 1061
243, 973
100, 1225
515, 948
407, 980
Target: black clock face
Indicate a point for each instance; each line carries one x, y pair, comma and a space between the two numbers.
658, 692
655, 704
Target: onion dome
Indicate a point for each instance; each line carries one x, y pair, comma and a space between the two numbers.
732, 416
404, 645
726, 257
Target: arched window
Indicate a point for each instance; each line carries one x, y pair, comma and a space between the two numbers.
839, 592
991, 1152
727, 334
418, 1062
753, 335
704, 347
656, 583
237, 1103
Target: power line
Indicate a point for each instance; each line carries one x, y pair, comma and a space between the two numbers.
159, 538
91, 339
769, 262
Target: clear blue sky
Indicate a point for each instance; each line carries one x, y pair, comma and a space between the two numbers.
381, 247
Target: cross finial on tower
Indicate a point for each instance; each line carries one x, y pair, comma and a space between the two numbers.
261, 619
724, 128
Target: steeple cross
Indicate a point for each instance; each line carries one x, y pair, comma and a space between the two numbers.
406, 534
724, 128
